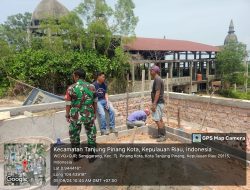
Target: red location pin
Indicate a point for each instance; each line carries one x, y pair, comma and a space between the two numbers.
25, 162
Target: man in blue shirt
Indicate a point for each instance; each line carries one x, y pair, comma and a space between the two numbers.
103, 103
137, 118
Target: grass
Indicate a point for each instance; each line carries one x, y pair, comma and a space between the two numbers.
230, 93
3, 92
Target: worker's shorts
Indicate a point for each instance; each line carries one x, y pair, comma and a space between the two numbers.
158, 114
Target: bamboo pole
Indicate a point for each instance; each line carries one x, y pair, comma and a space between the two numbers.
179, 117
167, 99
142, 89
191, 77
20, 82
127, 96
133, 76
149, 77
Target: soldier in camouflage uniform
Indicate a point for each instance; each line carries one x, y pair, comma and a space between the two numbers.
81, 104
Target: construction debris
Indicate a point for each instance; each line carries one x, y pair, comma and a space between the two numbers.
4, 115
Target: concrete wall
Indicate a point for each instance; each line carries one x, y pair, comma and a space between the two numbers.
227, 115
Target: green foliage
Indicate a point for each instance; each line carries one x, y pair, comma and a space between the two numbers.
230, 63
93, 10
125, 19
230, 93
4, 50
14, 30
72, 31
99, 36
120, 64
86, 38
5, 53
52, 71
102, 22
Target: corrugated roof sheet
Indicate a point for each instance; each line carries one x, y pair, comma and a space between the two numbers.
153, 44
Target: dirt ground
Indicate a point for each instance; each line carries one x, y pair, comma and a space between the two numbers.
10, 102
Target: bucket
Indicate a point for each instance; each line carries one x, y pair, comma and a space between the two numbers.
199, 77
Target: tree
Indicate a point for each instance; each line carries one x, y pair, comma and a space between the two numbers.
85, 38
72, 30
99, 36
230, 64
103, 23
4, 50
14, 30
52, 39
51, 70
95, 13
5, 53
93, 10
125, 20
63, 34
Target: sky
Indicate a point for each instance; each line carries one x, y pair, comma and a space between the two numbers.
204, 21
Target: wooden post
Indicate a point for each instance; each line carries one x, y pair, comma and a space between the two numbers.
207, 75
191, 77
167, 100
171, 70
133, 75
18, 81
160, 69
127, 95
179, 117
195, 67
179, 65
179, 69
142, 89
149, 77
173, 63
171, 76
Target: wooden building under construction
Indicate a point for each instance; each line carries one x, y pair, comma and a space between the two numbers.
190, 65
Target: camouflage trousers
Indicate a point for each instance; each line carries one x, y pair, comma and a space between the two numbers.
79, 117
75, 130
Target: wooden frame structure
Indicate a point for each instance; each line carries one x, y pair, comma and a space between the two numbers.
183, 60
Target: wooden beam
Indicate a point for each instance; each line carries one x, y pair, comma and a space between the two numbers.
167, 80
127, 96
142, 89
168, 61
207, 74
191, 77
133, 75
171, 70
149, 77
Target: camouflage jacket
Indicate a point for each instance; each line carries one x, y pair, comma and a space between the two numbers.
81, 96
